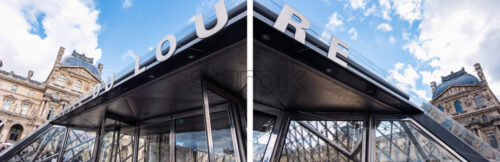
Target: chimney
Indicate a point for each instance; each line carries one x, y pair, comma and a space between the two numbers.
1, 63
480, 73
30, 74
100, 66
59, 54
433, 86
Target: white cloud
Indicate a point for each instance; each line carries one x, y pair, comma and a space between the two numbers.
370, 10
130, 53
384, 27
355, 4
351, 18
455, 34
334, 22
126, 3
406, 35
385, 6
69, 23
392, 40
409, 10
405, 77
353, 33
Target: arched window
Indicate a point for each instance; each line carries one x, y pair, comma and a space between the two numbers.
441, 108
493, 140
6, 105
50, 115
56, 95
24, 109
14, 88
485, 118
61, 80
15, 132
78, 85
478, 100
458, 106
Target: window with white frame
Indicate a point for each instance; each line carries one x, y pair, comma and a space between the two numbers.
24, 109
78, 85
51, 113
14, 88
6, 105
30, 93
61, 80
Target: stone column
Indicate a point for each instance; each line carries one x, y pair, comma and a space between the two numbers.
479, 134
5, 132
42, 108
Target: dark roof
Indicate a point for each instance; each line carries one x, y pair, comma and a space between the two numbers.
455, 78
20, 77
76, 59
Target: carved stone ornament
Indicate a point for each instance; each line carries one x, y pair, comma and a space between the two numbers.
468, 101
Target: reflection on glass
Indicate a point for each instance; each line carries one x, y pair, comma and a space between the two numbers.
323, 141
222, 137
190, 139
154, 143
105, 150
45, 148
117, 146
262, 128
79, 145
403, 141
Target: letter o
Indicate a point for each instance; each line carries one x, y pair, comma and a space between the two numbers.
173, 44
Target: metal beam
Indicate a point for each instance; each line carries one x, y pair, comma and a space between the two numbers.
208, 125
172, 140
341, 150
414, 140
98, 140
234, 135
63, 148
136, 143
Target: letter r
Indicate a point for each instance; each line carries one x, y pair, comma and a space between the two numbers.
285, 18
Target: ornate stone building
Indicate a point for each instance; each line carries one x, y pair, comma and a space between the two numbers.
26, 104
470, 102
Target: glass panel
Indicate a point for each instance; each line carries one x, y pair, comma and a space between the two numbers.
45, 148
323, 141
190, 139
222, 136
403, 141
263, 125
105, 150
124, 151
119, 149
154, 143
79, 145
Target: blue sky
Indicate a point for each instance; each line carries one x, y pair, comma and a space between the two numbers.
408, 42
135, 29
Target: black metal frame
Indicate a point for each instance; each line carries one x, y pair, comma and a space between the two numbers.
235, 105
284, 117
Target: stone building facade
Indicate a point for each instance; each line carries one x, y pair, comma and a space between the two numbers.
26, 104
469, 101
